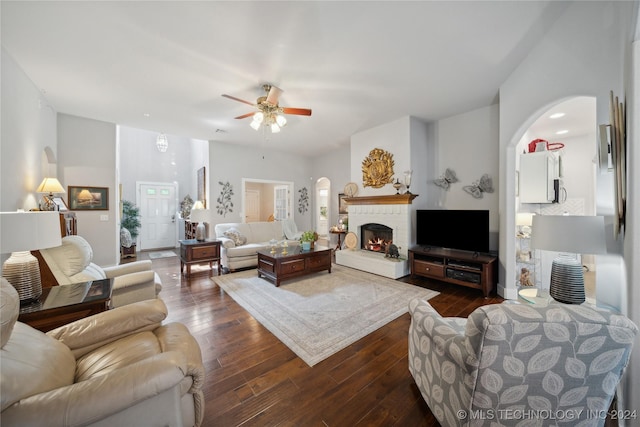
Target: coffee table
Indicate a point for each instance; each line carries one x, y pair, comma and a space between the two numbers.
296, 262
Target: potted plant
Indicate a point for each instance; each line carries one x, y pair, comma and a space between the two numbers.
129, 229
307, 239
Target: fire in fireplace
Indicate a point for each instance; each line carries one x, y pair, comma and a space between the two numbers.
375, 237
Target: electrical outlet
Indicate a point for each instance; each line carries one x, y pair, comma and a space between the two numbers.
104, 217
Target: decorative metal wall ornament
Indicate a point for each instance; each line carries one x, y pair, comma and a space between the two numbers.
303, 200
377, 169
445, 180
484, 185
225, 204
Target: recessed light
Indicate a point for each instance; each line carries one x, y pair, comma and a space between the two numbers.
556, 115
147, 115
562, 132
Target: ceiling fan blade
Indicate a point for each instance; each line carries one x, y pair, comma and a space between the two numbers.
298, 111
274, 95
239, 100
244, 116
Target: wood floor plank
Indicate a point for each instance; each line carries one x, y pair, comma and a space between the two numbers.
253, 379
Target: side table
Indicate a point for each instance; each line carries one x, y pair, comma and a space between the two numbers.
59, 305
194, 251
339, 233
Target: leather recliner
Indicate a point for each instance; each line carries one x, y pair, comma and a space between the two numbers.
72, 262
119, 367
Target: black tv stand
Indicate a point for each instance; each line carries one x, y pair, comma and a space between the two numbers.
470, 269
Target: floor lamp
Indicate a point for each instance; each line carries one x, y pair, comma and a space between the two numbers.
23, 232
570, 235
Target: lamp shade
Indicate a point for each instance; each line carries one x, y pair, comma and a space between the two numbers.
569, 233
22, 232
574, 234
28, 231
50, 185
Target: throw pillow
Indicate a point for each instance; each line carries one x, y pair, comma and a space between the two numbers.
236, 236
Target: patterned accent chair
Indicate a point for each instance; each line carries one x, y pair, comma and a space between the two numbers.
512, 363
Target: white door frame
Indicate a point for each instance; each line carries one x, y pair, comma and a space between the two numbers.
139, 184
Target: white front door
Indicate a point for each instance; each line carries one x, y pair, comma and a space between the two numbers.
158, 207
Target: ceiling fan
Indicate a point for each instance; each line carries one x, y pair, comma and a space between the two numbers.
269, 113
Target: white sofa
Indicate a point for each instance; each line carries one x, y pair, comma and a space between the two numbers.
242, 241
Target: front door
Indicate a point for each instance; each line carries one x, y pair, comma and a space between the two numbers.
158, 207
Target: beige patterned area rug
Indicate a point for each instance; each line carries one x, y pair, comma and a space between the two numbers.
320, 314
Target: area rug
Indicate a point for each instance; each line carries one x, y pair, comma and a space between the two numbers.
320, 314
161, 254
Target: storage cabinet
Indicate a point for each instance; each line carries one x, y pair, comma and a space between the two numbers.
458, 267
538, 171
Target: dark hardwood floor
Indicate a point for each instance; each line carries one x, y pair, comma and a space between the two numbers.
252, 379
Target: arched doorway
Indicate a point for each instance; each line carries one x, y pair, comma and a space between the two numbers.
572, 123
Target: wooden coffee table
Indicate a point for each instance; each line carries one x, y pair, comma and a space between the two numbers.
278, 267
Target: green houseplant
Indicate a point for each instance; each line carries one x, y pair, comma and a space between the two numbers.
307, 239
130, 222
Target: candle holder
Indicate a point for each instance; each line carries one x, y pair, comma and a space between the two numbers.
407, 180
397, 185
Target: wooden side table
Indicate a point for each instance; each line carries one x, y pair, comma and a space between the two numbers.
339, 233
59, 305
194, 251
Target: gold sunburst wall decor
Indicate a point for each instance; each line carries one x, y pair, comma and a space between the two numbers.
377, 168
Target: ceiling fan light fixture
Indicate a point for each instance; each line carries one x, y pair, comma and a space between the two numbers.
281, 120
258, 117
255, 125
275, 128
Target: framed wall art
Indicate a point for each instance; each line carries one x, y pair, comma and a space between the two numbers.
88, 198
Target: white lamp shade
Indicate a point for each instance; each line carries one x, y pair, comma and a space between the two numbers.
569, 233
197, 205
524, 218
200, 215
28, 231
50, 185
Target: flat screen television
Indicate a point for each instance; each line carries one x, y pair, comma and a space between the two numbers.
465, 230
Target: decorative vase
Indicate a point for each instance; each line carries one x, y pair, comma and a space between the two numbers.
201, 232
306, 246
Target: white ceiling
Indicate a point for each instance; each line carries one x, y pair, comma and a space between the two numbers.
355, 64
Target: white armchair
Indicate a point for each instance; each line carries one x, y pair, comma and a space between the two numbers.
72, 263
122, 367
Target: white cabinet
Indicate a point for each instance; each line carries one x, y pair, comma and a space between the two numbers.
536, 178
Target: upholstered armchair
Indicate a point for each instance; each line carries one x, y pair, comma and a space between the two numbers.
72, 262
122, 367
508, 363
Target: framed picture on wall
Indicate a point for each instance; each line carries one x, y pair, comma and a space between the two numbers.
88, 198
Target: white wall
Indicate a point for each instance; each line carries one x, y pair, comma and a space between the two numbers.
140, 160
230, 163
584, 53
87, 157
28, 126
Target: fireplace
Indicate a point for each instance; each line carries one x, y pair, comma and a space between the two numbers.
375, 237
386, 214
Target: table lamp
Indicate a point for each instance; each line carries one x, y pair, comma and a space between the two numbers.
49, 185
23, 232
570, 235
